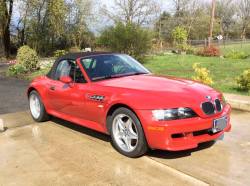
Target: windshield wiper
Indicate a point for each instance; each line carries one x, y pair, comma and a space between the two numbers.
105, 77
134, 73
118, 75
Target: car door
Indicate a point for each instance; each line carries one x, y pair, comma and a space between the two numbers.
96, 96
63, 98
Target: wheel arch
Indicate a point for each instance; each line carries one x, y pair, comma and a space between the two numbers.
29, 91
111, 111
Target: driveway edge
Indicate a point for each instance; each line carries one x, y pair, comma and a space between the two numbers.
238, 102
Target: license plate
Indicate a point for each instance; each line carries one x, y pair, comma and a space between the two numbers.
219, 124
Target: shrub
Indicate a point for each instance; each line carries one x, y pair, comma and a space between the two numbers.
173, 51
129, 38
180, 38
16, 69
235, 54
28, 58
189, 49
74, 49
244, 80
202, 75
59, 53
208, 51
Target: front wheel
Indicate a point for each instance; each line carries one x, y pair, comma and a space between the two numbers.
127, 133
37, 108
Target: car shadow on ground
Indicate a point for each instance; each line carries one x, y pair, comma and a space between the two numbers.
152, 153
184, 153
82, 129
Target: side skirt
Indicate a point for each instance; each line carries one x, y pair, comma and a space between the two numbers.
86, 123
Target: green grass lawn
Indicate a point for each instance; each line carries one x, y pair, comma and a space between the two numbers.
38, 73
224, 80
226, 49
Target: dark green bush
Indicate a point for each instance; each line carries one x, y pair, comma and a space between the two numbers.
129, 38
173, 51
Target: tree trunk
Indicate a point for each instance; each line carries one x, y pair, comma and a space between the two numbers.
6, 41
6, 25
1, 48
243, 33
211, 23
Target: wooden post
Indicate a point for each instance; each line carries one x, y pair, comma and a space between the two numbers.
220, 54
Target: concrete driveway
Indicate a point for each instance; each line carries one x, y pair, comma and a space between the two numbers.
62, 153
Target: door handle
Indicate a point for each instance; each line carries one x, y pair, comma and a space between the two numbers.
52, 88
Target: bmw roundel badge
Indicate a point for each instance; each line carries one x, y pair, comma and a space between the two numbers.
208, 97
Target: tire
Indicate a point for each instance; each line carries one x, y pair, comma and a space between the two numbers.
37, 109
127, 133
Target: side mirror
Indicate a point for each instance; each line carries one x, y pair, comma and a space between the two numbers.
67, 80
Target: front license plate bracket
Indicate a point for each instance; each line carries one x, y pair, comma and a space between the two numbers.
219, 124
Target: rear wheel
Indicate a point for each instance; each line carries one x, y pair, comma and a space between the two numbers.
37, 108
127, 133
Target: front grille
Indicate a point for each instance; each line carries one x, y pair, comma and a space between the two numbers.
208, 108
218, 105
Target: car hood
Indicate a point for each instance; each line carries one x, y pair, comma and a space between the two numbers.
165, 86
161, 89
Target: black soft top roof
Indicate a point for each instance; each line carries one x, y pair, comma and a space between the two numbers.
73, 56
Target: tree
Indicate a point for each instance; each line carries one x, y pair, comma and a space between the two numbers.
43, 23
130, 38
6, 8
180, 7
137, 11
180, 38
211, 23
185, 13
158, 26
224, 12
244, 15
48, 25
81, 17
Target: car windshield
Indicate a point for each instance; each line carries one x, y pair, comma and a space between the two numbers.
112, 66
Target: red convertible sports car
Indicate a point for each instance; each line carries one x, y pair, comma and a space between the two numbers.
114, 94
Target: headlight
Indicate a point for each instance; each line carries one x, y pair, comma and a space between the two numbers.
173, 114
224, 101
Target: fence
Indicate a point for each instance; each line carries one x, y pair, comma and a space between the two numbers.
225, 45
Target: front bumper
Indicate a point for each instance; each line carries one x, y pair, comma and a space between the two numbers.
180, 134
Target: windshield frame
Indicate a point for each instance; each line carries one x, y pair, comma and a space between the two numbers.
103, 78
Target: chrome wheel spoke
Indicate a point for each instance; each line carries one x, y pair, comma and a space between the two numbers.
132, 136
131, 131
127, 141
121, 124
120, 135
128, 124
